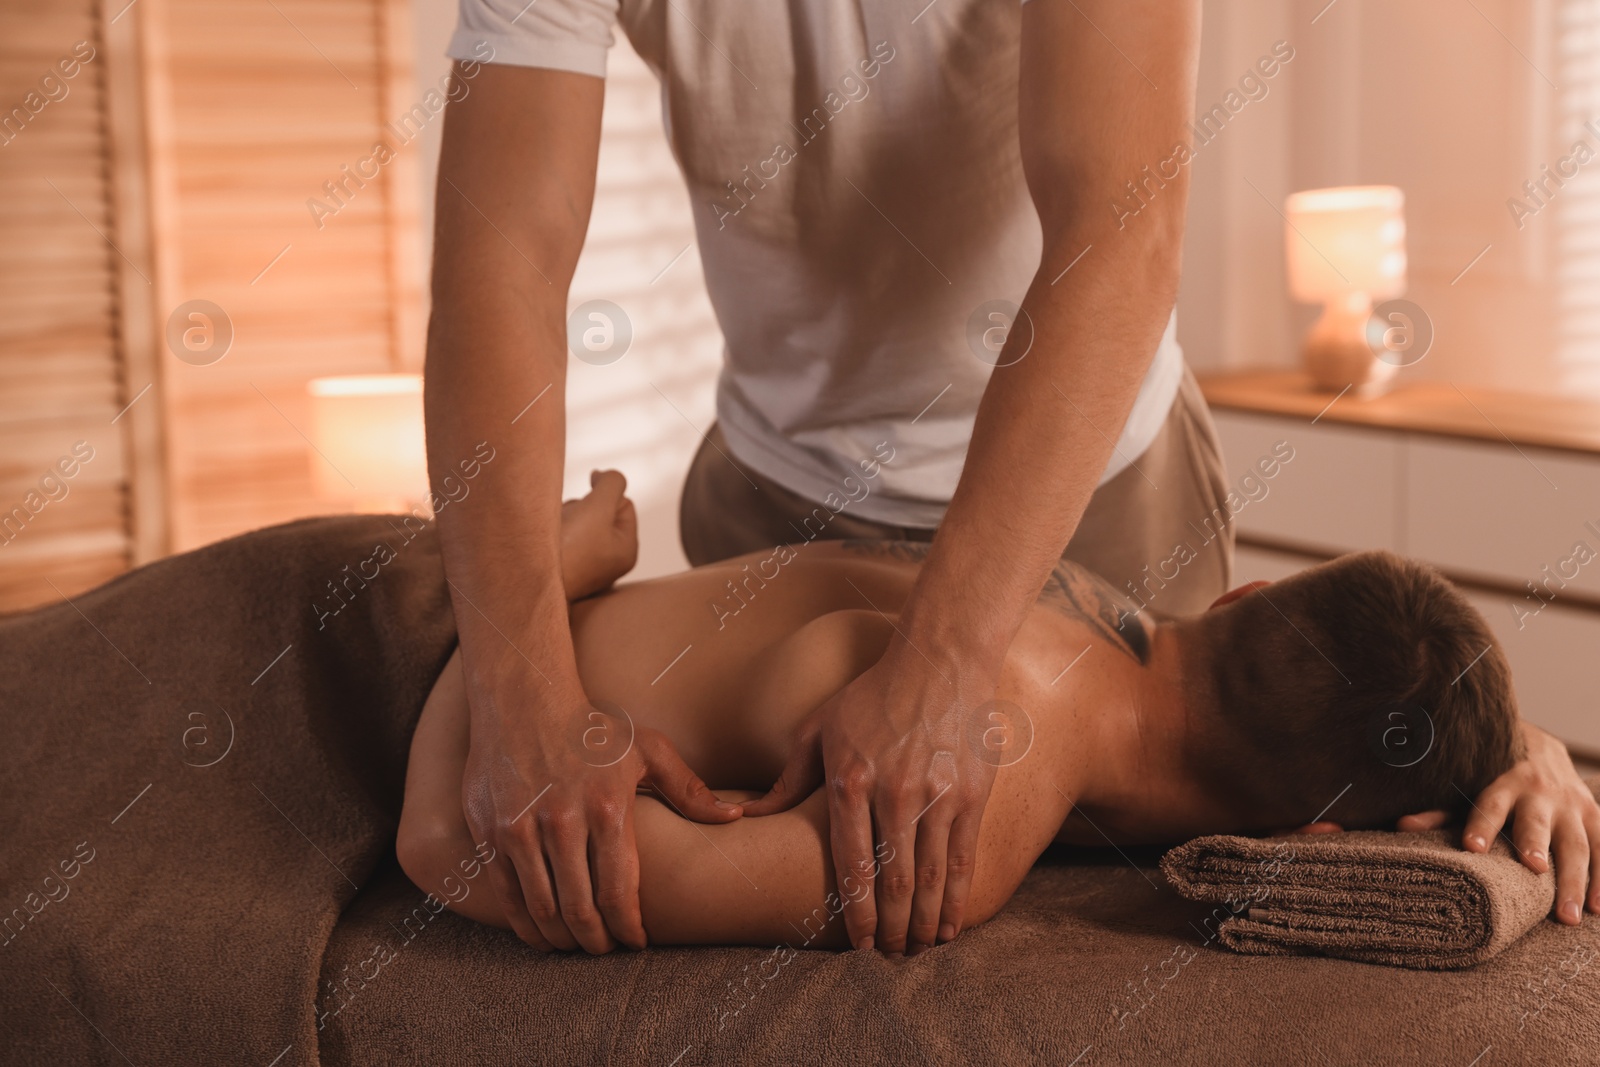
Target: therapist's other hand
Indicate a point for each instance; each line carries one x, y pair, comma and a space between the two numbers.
1549, 807
554, 795
906, 793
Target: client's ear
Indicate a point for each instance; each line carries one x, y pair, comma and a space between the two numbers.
1234, 594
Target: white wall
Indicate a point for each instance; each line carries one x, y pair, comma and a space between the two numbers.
1232, 308
1450, 102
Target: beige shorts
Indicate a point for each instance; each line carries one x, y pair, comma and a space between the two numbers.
1158, 531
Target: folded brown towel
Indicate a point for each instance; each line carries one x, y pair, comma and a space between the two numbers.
1407, 899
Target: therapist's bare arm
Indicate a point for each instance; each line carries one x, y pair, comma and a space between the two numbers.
1093, 113
1092, 118
516, 182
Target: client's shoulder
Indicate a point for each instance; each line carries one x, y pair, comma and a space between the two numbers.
1081, 595
1071, 591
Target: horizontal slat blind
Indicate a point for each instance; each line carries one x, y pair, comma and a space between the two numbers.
259, 104
60, 381
1578, 241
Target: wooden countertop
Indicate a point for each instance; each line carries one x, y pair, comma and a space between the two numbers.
1420, 407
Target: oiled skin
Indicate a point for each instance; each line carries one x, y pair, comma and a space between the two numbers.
727, 673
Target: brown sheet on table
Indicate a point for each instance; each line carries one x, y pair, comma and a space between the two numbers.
219, 918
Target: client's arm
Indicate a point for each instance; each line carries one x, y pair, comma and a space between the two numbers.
599, 544
767, 881
743, 882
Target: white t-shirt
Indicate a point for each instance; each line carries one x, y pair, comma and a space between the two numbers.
859, 201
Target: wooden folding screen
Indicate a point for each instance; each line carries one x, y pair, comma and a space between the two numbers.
167, 152
67, 513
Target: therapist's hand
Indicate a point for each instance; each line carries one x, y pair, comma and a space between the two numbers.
596, 761
1550, 809
554, 796
906, 793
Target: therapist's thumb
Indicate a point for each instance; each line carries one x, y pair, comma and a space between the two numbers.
800, 778
679, 786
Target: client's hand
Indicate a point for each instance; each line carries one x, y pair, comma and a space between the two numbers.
892, 746
599, 536
1549, 805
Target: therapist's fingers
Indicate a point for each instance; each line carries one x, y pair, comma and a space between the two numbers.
897, 875
507, 889
1571, 847
685, 791
854, 865
567, 844
960, 862
508, 839
927, 899
608, 489
532, 897
800, 777
539, 892
614, 868
626, 520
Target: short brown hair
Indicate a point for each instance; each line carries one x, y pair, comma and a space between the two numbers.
1370, 671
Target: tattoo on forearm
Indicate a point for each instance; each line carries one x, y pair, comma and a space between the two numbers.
1073, 590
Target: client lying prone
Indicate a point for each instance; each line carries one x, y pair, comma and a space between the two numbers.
1354, 693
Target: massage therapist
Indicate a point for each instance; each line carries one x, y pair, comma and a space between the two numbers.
878, 187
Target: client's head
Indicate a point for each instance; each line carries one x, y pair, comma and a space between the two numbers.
1370, 672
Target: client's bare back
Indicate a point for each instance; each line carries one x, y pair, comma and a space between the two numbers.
726, 661
761, 640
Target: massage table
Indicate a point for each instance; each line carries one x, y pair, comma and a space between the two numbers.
217, 758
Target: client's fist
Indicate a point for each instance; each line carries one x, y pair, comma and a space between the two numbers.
599, 536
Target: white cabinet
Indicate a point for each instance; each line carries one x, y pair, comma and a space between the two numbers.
1340, 491
1554, 666
1504, 514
